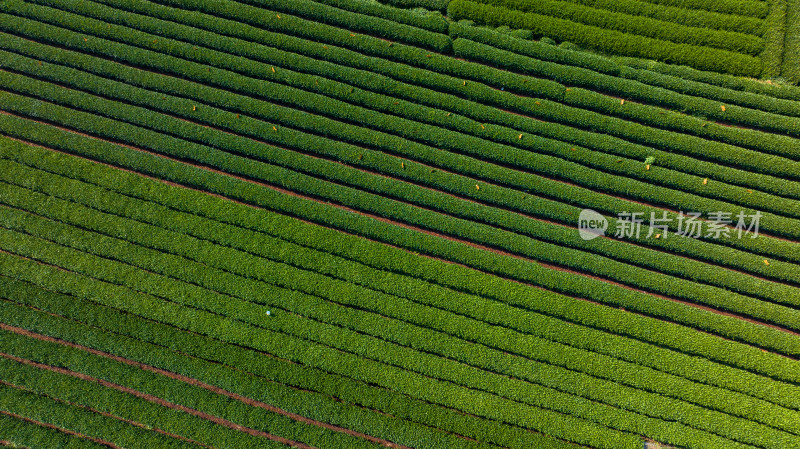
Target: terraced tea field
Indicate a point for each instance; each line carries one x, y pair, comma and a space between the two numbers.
346, 224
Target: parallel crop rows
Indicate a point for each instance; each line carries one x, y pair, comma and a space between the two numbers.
612, 41
434, 291
325, 287
113, 111
107, 112
736, 20
697, 35
750, 38
110, 272
404, 266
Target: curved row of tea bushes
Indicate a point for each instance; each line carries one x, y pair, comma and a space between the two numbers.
615, 42
684, 16
636, 25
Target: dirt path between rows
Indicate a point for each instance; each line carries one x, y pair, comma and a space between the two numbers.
106, 414
60, 429
161, 402
197, 383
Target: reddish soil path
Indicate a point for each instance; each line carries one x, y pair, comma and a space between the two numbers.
106, 414
161, 402
197, 383
62, 430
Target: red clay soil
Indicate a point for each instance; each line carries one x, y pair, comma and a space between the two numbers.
62, 430
194, 382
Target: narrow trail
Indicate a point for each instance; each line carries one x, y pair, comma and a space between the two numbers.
59, 429
197, 383
164, 403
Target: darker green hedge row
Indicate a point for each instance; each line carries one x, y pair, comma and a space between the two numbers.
759, 101
774, 40
756, 95
636, 25
376, 161
496, 77
297, 388
252, 17
575, 310
790, 68
541, 88
296, 179
45, 409
322, 356
615, 42
300, 256
29, 435
750, 8
746, 85
683, 16
609, 393
430, 21
143, 411
433, 5
283, 36
322, 13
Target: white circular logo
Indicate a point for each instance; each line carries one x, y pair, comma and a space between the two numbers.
591, 224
